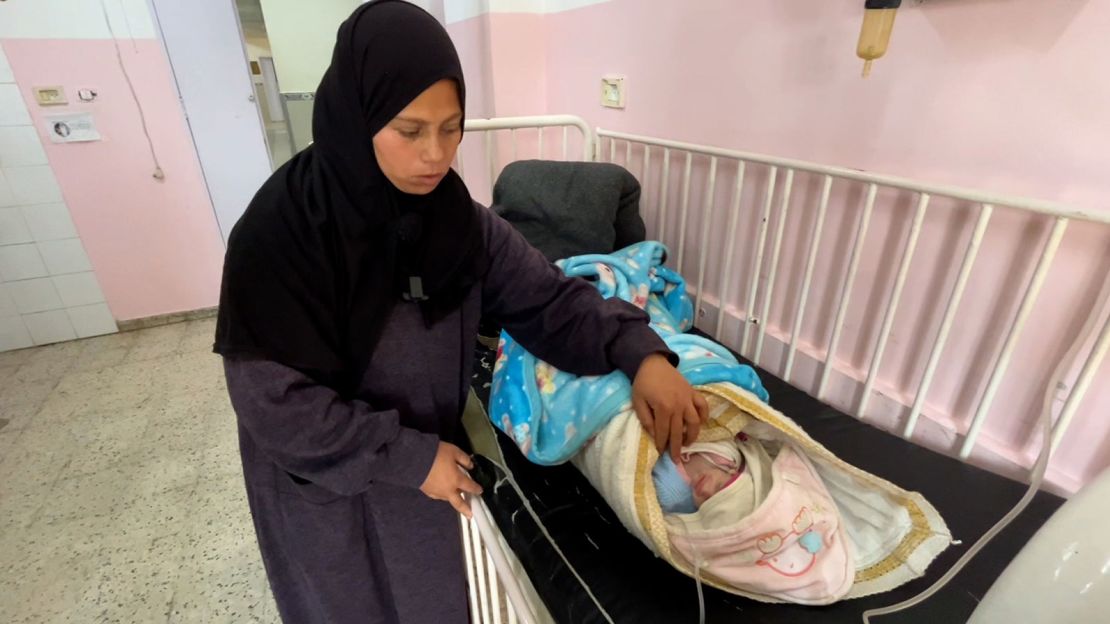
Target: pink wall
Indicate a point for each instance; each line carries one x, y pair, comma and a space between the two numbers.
503, 58
154, 245
996, 94
984, 94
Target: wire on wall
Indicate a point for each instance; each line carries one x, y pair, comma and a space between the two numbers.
158, 173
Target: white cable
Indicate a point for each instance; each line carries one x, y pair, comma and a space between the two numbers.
539, 523
158, 173
1037, 477
697, 570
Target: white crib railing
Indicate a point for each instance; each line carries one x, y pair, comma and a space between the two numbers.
496, 594
754, 312
507, 139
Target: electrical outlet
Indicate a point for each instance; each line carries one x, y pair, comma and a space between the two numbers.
612, 91
50, 96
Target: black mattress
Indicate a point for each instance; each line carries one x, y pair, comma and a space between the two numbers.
634, 586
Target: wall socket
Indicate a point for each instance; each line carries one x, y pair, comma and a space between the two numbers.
612, 91
50, 96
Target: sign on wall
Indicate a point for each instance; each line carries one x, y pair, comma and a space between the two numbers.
71, 128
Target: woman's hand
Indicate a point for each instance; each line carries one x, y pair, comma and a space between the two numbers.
448, 478
667, 406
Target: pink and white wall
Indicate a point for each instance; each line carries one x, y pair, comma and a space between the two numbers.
1000, 95
89, 235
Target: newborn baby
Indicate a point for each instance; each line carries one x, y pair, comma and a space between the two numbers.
703, 469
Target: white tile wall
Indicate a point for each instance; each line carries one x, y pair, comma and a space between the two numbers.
64, 256
33, 185
35, 295
14, 334
49, 222
20, 147
20, 262
76, 19
6, 196
7, 304
92, 320
52, 326
48, 292
78, 289
13, 112
13, 227
5, 69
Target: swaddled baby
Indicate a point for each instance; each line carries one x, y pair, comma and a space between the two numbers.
762, 524
706, 468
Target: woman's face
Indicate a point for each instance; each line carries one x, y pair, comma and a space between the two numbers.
415, 150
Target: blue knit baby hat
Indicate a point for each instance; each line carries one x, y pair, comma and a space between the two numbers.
675, 495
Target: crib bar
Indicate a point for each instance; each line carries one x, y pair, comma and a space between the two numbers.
512, 141
846, 290
787, 187
539, 132
643, 183
511, 612
612, 150
811, 262
703, 241
500, 561
1079, 390
480, 573
892, 304
459, 163
490, 162
949, 315
494, 589
469, 550
1033, 205
730, 248
566, 141
628, 155
753, 288
590, 143
663, 187
684, 211
1003, 363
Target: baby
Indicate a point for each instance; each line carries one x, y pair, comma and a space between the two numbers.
703, 469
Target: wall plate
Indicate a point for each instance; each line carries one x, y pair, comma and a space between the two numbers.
50, 96
612, 91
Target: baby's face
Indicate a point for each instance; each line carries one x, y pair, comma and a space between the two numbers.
706, 477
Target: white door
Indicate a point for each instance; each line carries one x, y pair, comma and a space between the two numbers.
205, 47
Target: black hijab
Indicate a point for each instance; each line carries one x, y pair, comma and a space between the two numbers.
328, 245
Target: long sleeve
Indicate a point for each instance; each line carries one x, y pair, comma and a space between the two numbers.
309, 431
561, 320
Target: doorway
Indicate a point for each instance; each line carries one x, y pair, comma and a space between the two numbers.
288, 45
264, 77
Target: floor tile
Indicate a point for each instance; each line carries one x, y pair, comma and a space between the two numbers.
157, 342
121, 487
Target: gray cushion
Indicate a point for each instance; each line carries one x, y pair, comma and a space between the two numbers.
571, 208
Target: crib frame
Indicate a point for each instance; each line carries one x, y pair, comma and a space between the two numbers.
496, 594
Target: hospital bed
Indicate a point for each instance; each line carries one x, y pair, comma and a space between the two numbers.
543, 545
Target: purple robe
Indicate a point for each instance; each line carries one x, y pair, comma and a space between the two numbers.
346, 534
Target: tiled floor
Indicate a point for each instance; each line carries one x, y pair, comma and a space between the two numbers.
121, 493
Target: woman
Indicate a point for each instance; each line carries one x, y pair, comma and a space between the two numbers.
353, 286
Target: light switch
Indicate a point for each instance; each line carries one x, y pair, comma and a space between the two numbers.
50, 96
612, 91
